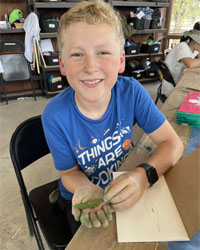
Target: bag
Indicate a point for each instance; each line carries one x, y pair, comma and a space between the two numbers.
127, 28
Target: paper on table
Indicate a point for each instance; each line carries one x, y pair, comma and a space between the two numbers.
153, 218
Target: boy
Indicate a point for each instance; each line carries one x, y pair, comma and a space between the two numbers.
88, 126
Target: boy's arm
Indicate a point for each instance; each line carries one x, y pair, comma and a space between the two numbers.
128, 188
74, 178
169, 148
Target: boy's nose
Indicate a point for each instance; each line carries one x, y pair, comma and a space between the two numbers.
90, 64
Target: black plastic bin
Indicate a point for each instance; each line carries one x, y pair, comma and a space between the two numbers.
146, 48
147, 23
52, 59
137, 23
50, 1
48, 26
155, 24
150, 74
55, 86
138, 74
11, 45
132, 49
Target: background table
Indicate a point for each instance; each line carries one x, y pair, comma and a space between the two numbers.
106, 238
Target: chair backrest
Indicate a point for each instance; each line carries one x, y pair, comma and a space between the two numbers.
15, 67
166, 73
28, 143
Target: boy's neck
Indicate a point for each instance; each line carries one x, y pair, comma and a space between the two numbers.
93, 110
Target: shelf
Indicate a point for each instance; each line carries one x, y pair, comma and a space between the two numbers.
142, 55
56, 5
51, 68
10, 31
149, 31
48, 35
136, 32
139, 4
148, 80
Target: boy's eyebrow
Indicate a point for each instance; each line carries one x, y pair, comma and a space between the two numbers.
97, 46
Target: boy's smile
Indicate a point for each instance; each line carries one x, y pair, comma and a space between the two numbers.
91, 60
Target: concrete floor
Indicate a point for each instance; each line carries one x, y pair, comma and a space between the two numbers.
14, 234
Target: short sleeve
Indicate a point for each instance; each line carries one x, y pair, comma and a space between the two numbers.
58, 144
183, 51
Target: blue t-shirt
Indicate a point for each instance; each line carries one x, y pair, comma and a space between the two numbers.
98, 146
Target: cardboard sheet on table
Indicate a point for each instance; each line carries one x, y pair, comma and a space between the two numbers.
168, 211
154, 218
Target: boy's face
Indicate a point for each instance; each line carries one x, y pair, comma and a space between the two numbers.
91, 60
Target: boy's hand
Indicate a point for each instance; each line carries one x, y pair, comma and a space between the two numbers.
91, 217
124, 191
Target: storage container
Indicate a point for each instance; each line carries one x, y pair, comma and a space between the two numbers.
50, 25
137, 23
155, 24
51, 59
150, 74
55, 86
146, 24
11, 45
146, 48
132, 49
50, 1
137, 74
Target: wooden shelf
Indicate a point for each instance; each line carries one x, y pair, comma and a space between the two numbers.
10, 31
140, 4
148, 80
135, 32
142, 55
56, 5
149, 31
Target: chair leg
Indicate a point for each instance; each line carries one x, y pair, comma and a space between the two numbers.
5, 93
158, 93
30, 227
156, 99
33, 88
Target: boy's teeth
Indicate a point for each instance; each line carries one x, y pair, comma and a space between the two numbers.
92, 82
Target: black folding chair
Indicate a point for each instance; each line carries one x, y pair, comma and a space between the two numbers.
27, 145
15, 66
164, 74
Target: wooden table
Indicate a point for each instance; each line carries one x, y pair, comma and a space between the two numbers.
106, 238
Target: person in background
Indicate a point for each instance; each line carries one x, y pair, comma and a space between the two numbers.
183, 55
89, 126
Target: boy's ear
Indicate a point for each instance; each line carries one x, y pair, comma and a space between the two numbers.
122, 63
62, 68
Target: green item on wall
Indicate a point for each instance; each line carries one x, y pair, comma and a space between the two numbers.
15, 15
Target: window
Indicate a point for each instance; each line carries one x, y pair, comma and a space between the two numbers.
185, 13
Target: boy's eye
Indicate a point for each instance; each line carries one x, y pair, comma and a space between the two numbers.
76, 54
103, 53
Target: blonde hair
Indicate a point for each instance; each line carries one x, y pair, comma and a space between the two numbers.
91, 12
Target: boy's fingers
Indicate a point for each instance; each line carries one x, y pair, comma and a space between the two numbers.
76, 213
84, 218
114, 189
102, 217
95, 221
123, 194
108, 211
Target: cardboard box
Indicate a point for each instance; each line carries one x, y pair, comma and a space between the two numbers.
19, 25
183, 181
